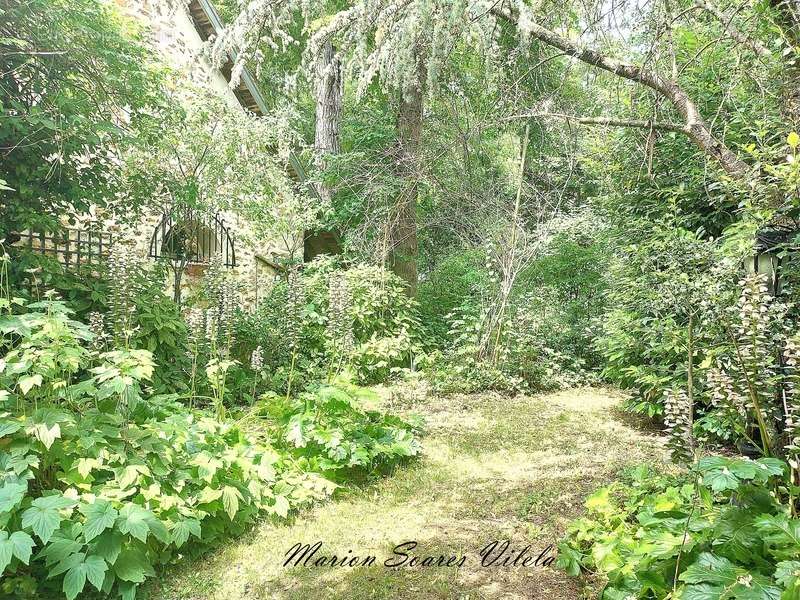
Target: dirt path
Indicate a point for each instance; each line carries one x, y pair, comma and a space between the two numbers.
493, 469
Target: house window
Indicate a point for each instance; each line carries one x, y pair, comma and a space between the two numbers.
189, 239
189, 236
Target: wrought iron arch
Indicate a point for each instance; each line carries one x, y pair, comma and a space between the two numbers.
191, 236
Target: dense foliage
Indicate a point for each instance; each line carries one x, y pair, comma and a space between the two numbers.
103, 482
524, 196
720, 531
60, 113
325, 320
332, 431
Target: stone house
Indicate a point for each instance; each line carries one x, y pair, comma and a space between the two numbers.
187, 238
179, 36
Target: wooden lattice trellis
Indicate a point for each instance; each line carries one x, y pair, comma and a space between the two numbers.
71, 247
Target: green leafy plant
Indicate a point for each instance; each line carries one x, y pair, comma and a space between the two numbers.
217, 373
337, 430
152, 319
368, 326
100, 484
718, 531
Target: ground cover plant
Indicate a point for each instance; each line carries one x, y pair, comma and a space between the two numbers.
104, 481
720, 531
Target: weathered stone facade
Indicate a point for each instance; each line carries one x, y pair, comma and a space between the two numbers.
174, 35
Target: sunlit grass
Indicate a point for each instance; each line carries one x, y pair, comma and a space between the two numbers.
493, 468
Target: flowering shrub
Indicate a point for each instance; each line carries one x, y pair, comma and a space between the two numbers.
124, 302
749, 376
358, 320
101, 483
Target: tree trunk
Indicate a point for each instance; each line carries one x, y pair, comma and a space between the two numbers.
328, 116
329, 110
403, 225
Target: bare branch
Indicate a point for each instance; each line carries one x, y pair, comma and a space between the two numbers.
610, 121
727, 25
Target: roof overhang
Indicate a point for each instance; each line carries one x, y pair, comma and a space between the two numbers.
207, 22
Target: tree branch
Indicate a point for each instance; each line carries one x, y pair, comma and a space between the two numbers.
696, 128
610, 121
754, 45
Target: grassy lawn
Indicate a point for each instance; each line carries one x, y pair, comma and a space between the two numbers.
493, 469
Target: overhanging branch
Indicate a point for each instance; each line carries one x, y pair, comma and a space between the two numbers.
609, 121
732, 31
696, 128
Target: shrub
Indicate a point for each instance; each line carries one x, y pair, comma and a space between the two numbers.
718, 531
522, 362
357, 319
455, 279
657, 288
335, 430
96, 495
99, 484
152, 318
566, 287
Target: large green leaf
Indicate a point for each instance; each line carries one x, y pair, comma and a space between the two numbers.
11, 494
183, 528
281, 506
44, 516
92, 568
569, 559
781, 534
744, 469
19, 544
132, 565
138, 522
133, 520
207, 466
208, 494
29, 382
58, 549
723, 574
709, 568
107, 545
9, 427
774, 466
721, 479
100, 515
230, 500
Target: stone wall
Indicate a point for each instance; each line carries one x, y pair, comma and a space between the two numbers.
172, 33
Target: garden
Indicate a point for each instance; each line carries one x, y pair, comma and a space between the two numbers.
399, 298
